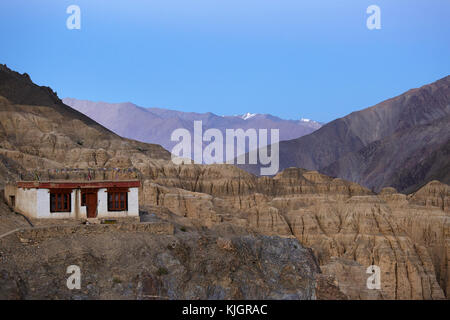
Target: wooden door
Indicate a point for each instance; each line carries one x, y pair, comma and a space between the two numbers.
91, 204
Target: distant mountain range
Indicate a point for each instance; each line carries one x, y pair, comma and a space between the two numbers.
155, 125
403, 142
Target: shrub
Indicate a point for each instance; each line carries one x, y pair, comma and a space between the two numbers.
162, 271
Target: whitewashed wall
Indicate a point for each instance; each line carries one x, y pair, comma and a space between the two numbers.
133, 205
43, 206
35, 203
26, 202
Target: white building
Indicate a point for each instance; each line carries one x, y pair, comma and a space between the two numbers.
74, 199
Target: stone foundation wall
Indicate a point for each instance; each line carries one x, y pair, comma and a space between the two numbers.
41, 233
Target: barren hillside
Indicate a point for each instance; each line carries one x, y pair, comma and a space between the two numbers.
229, 225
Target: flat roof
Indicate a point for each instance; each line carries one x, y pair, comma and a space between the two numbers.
70, 184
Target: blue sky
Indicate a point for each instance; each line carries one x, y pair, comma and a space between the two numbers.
290, 58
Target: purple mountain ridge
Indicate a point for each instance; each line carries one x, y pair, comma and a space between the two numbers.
155, 125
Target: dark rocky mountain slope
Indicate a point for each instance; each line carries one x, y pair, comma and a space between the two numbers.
390, 144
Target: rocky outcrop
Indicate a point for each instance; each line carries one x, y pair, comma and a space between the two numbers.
349, 236
433, 194
348, 227
427, 221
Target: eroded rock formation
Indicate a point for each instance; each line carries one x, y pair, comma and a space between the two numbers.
348, 227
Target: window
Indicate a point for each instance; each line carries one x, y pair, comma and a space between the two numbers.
117, 199
12, 201
60, 201
83, 199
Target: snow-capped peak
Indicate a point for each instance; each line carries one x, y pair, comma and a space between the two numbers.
248, 115
305, 120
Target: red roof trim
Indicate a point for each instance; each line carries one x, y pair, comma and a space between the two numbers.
78, 185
